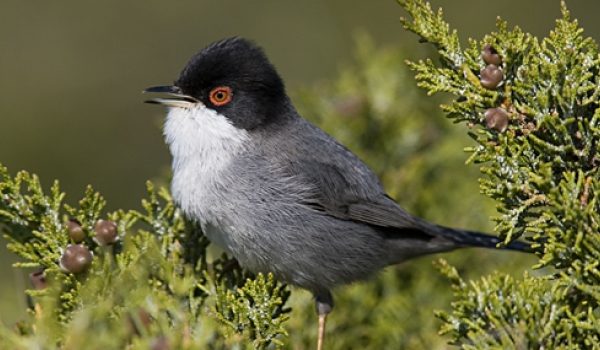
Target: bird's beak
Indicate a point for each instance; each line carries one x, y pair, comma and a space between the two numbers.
177, 97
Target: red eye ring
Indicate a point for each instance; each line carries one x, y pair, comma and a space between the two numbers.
220, 95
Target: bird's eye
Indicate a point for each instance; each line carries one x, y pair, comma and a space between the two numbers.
220, 96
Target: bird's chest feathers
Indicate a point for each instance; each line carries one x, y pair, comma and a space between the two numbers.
203, 144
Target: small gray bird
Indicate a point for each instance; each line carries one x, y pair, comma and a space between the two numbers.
275, 191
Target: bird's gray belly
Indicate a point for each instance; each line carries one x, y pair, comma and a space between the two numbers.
237, 243
299, 246
267, 229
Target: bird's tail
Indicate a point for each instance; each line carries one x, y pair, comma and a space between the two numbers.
427, 238
477, 239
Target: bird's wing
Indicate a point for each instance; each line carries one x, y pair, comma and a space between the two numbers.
349, 197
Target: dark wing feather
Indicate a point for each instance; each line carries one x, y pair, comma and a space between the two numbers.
349, 198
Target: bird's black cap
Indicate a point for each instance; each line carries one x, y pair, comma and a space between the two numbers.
258, 92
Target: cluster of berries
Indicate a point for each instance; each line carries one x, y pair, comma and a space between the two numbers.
491, 77
76, 257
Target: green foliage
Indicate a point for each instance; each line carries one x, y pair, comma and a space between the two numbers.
500, 312
254, 310
163, 283
156, 284
542, 171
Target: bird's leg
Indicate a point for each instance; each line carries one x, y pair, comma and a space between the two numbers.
321, 334
324, 303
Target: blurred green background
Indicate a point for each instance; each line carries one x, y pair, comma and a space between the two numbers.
71, 73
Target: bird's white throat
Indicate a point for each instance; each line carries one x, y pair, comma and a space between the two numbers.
202, 143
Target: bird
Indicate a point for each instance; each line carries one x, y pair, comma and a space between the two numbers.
275, 191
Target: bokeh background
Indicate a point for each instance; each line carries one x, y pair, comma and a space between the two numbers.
72, 72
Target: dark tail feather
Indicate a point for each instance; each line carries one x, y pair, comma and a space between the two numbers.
427, 238
478, 239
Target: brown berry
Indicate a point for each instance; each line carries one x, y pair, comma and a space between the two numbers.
75, 231
106, 232
38, 279
490, 55
496, 119
491, 76
76, 258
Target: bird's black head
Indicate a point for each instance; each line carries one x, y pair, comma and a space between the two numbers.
235, 78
